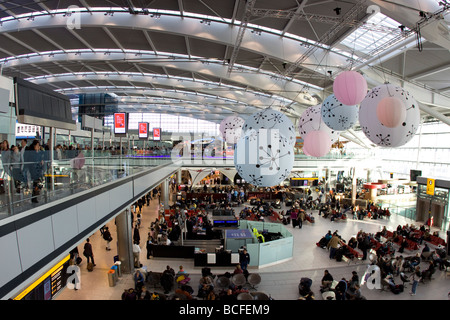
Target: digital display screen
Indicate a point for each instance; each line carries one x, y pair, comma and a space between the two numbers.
156, 134
120, 121
143, 130
225, 223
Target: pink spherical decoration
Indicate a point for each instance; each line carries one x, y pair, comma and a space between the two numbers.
350, 87
317, 143
391, 112
305, 151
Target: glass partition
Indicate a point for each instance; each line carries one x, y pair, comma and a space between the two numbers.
30, 179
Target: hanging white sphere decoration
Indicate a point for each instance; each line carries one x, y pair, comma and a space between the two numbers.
262, 158
338, 116
271, 119
375, 131
311, 119
231, 128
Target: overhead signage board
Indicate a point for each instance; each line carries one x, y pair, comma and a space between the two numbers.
120, 123
430, 186
157, 134
143, 130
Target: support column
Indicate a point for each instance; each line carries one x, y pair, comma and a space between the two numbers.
124, 241
354, 186
179, 176
327, 180
165, 193
92, 143
52, 157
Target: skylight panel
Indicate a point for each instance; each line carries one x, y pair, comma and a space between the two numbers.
373, 36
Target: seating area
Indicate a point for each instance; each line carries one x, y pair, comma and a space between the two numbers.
227, 286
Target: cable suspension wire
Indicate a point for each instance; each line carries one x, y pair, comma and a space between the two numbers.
350, 15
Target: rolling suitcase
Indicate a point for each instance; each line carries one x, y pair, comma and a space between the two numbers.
90, 266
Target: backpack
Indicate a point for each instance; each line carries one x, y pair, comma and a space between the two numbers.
397, 289
107, 236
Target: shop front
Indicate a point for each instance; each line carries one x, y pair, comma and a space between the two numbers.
433, 202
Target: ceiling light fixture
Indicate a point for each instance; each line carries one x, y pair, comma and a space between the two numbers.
257, 31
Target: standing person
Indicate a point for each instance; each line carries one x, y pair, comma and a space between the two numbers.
88, 253
415, 277
365, 245
139, 204
333, 245
6, 157
149, 245
138, 219
136, 255
354, 280
244, 259
138, 281
23, 167
107, 237
294, 216
15, 167
136, 235
341, 289
35, 158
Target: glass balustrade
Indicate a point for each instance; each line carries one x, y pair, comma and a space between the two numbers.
28, 184
30, 180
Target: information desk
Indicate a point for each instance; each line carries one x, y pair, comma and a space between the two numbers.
164, 251
218, 259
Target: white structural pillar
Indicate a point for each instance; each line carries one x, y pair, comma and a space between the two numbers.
354, 186
179, 176
124, 241
165, 193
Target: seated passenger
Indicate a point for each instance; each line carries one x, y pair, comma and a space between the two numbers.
238, 269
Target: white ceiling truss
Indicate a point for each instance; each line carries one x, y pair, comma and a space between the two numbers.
223, 57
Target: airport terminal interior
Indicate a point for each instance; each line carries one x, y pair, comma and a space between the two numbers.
225, 150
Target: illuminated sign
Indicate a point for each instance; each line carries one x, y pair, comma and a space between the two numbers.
157, 134
52, 281
430, 187
143, 130
24, 131
120, 123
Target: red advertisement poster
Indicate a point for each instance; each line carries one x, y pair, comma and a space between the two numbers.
143, 130
120, 123
157, 134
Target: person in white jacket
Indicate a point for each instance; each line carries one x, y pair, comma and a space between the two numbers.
136, 255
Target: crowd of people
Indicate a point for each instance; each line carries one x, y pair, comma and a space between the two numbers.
26, 165
178, 286
382, 251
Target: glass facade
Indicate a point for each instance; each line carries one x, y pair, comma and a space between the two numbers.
169, 123
428, 151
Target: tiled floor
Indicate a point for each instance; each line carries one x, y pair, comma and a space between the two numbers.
279, 281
